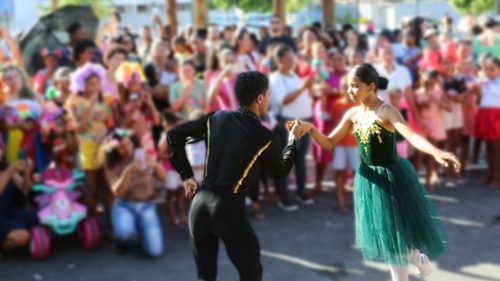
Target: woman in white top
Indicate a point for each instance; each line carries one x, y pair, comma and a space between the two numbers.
488, 119
291, 99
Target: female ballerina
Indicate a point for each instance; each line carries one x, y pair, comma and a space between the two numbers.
394, 218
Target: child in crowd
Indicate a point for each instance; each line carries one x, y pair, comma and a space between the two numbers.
137, 110
454, 87
173, 181
327, 89
196, 151
488, 119
396, 100
181, 48
170, 76
431, 103
466, 69
346, 155
92, 118
61, 141
60, 91
44, 77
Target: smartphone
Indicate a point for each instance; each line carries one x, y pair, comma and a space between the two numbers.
140, 156
23, 154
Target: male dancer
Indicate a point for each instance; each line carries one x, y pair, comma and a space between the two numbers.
237, 146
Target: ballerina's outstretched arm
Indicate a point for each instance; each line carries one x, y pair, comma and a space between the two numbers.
328, 142
392, 116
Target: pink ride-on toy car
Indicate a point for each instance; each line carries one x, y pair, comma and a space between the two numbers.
60, 213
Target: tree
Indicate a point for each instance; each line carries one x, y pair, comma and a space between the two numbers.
104, 6
258, 5
473, 6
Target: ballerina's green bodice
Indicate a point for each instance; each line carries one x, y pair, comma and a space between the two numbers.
377, 145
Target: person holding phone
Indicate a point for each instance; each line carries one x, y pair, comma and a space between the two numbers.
130, 174
15, 222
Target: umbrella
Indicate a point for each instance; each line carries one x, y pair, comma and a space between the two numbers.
50, 32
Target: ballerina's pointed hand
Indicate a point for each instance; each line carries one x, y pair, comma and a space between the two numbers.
446, 159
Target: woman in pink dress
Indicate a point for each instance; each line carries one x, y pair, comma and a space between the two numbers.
323, 122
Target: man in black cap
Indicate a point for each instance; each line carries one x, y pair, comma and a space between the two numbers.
237, 146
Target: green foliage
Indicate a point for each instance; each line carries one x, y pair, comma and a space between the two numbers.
105, 6
258, 5
473, 6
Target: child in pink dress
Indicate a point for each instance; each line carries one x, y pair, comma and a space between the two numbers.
431, 103
173, 181
466, 68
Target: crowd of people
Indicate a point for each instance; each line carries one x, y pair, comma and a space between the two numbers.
104, 105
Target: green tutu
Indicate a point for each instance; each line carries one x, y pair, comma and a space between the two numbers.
393, 213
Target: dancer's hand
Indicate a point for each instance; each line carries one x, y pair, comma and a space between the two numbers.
190, 188
294, 129
298, 128
446, 159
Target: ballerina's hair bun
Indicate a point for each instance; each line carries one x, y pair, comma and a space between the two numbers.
368, 75
382, 83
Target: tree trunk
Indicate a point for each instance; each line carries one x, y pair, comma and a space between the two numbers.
328, 9
200, 13
54, 4
95, 6
171, 6
279, 9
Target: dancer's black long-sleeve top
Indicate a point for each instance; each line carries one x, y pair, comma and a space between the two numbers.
237, 144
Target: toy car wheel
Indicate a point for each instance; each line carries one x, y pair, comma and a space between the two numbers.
90, 234
40, 242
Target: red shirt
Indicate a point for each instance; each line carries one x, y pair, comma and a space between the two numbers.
339, 108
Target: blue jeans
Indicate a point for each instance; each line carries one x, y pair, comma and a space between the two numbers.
300, 162
131, 217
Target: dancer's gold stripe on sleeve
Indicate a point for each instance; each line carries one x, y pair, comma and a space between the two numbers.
250, 165
208, 148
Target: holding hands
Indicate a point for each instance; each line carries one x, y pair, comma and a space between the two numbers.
298, 129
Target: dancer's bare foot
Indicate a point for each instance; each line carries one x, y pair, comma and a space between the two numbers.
424, 266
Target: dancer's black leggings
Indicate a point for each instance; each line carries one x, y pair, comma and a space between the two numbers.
215, 217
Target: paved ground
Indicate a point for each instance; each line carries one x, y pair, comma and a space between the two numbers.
313, 244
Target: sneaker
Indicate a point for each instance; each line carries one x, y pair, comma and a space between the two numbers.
121, 248
288, 207
304, 199
424, 266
